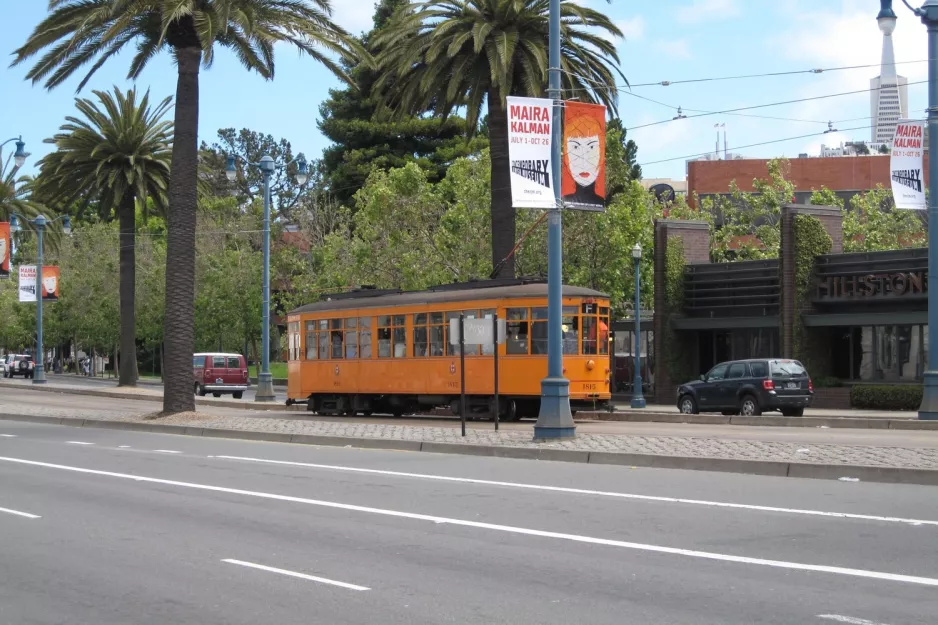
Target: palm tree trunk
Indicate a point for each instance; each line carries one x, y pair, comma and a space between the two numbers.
503, 213
128, 271
179, 322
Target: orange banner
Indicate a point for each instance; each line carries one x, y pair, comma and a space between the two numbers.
50, 283
6, 245
583, 179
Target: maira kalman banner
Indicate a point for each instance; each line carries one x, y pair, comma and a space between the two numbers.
905, 165
529, 150
49, 286
583, 182
6, 245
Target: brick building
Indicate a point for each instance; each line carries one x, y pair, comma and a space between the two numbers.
846, 175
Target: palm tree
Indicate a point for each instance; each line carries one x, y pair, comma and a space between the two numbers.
446, 54
13, 198
77, 32
116, 156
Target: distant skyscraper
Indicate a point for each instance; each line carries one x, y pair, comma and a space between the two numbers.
889, 101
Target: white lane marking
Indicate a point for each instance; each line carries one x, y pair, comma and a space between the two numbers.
123, 446
18, 513
79, 443
893, 577
581, 491
167, 451
7, 435
851, 620
312, 578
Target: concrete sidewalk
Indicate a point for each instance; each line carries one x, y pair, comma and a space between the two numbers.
883, 463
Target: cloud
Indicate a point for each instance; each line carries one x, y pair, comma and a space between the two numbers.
633, 28
706, 10
675, 48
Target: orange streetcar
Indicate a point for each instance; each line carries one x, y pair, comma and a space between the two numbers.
372, 351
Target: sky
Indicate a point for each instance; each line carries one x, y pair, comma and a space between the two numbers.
667, 40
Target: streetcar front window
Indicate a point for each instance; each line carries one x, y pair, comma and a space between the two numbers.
517, 330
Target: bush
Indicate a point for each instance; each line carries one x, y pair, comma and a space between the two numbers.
828, 382
884, 397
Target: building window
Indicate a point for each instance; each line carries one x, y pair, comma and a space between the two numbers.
892, 353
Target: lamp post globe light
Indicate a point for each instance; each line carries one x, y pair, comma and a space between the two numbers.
929, 15
267, 165
19, 156
638, 400
41, 223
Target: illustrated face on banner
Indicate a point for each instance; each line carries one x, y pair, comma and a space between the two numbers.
5, 245
50, 283
583, 181
584, 159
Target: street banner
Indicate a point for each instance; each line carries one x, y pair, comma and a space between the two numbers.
906, 165
27, 285
50, 284
6, 244
583, 181
529, 150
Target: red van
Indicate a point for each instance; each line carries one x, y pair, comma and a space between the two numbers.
218, 373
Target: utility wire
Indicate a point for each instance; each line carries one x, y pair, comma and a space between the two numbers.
751, 145
759, 106
667, 83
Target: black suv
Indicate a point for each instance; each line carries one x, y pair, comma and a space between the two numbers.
749, 387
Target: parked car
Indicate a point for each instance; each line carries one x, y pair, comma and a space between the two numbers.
749, 387
18, 364
218, 373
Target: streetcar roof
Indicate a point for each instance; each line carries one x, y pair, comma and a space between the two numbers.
416, 298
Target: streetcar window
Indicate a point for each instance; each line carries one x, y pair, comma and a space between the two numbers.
451, 350
436, 340
400, 341
436, 318
323, 344
420, 341
311, 352
589, 333
336, 339
570, 328
384, 342
384, 321
323, 324
517, 330
364, 337
351, 322
539, 331
487, 350
420, 319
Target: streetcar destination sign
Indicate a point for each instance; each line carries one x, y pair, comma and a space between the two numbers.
476, 331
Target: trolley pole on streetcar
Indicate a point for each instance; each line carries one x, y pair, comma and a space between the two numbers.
555, 420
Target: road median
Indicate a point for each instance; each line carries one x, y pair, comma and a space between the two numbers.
546, 452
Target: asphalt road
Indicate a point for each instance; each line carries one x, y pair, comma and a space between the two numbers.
148, 528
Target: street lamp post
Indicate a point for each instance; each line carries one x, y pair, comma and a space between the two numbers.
929, 14
40, 222
267, 165
638, 400
19, 156
555, 420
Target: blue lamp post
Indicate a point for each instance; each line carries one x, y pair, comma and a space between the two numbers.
267, 165
638, 400
19, 156
929, 14
555, 420
41, 223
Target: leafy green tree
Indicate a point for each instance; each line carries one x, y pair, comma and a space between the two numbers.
77, 32
441, 55
872, 223
861, 148
15, 193
621, 160
883, 149
249, 147
365, 138
115, 155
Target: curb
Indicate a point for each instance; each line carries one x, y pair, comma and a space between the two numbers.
856, 423
221, 403
888, 475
